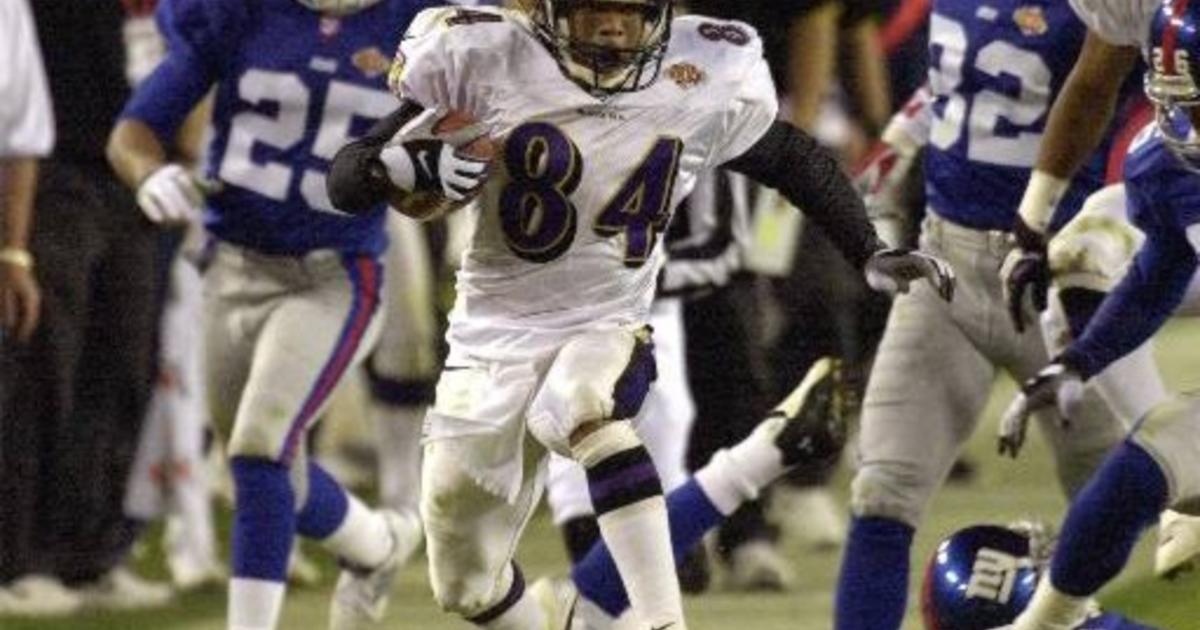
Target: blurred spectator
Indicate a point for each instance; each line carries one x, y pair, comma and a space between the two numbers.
76, 393
26, 133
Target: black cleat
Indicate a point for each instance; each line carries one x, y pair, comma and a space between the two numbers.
816, 416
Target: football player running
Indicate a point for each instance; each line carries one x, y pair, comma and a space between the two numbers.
1155, 466
291, 285
995, 68
1067, 273
608, 111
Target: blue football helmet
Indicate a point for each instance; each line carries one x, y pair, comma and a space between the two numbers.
982, 577
598, 68
1171, 80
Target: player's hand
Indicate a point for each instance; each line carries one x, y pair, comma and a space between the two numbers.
170, 195
1056, 386
1026, 269
20, 301
893, 270
435, 166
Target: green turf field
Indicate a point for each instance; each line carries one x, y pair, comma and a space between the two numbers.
1003, 492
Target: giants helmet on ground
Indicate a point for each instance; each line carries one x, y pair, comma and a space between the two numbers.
982, 577
596, 67
1171, 80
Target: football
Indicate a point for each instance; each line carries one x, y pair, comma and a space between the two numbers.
427, 205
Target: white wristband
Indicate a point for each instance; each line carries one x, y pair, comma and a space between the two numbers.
1042, 195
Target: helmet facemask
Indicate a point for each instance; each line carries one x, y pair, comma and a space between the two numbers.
338, 7
606, 46
1176, 101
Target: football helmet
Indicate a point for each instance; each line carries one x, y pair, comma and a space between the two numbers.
338, 7
601, 68
1171, 78
982, 577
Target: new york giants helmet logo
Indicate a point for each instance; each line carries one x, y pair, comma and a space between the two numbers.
981, 577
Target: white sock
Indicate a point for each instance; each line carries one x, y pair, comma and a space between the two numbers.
637, 534
1051, 608
736, 475
363, 538
398, 429
255, 604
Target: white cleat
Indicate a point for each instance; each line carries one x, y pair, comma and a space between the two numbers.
556, 597
122, 589
361, 596
39, 596
1178, 544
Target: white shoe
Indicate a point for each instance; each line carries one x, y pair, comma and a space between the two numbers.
361, 596
757, 566
811, 516
189, 574
1178, 544
39, 596
121, 589
556, 597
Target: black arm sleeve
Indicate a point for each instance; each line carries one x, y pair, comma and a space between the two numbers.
807, 175
358, 181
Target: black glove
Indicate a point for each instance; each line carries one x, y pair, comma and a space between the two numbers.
892, 270
1026, 268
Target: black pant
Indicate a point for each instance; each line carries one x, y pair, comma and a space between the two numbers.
74, 397
727, 376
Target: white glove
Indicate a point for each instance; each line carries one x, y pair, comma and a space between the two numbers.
437, 164
170, 195
892, 270
1055, 386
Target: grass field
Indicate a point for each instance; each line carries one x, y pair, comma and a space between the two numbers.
1004, 491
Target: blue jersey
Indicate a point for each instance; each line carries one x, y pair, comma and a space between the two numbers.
1109, 621
292, 87
1163, 200
995, 68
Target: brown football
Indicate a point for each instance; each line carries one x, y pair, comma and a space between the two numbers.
426, 206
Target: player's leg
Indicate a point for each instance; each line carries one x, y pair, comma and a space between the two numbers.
1155, 467
807, 427
929, 383
598, 381
403, 367
481, 485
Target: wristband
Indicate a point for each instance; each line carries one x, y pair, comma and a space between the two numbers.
1042, 195
16, 257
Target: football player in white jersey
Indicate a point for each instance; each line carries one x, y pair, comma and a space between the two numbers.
1066, 274
608, 112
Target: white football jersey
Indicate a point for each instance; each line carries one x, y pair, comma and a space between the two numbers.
569, 224
1119, 22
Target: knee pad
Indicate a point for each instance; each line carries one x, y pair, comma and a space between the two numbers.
1170, 433
895, 491
1094, 249
597, 376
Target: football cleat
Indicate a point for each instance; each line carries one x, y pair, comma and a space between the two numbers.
361, 596
39, 596
121, 589
1178, 545
556, 597
815, 417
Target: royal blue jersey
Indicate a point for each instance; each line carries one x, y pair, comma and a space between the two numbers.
1163, 200
995, 68
292, 87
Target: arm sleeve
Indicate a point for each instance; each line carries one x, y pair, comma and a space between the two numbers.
198, 33
808, 176
357, 181
26, 116
1155, 285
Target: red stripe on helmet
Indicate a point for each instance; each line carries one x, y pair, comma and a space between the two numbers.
1171, 35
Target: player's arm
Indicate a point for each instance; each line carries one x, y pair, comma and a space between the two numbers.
1149, 293
809, 176
1077, 124
394, 160
140, 145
